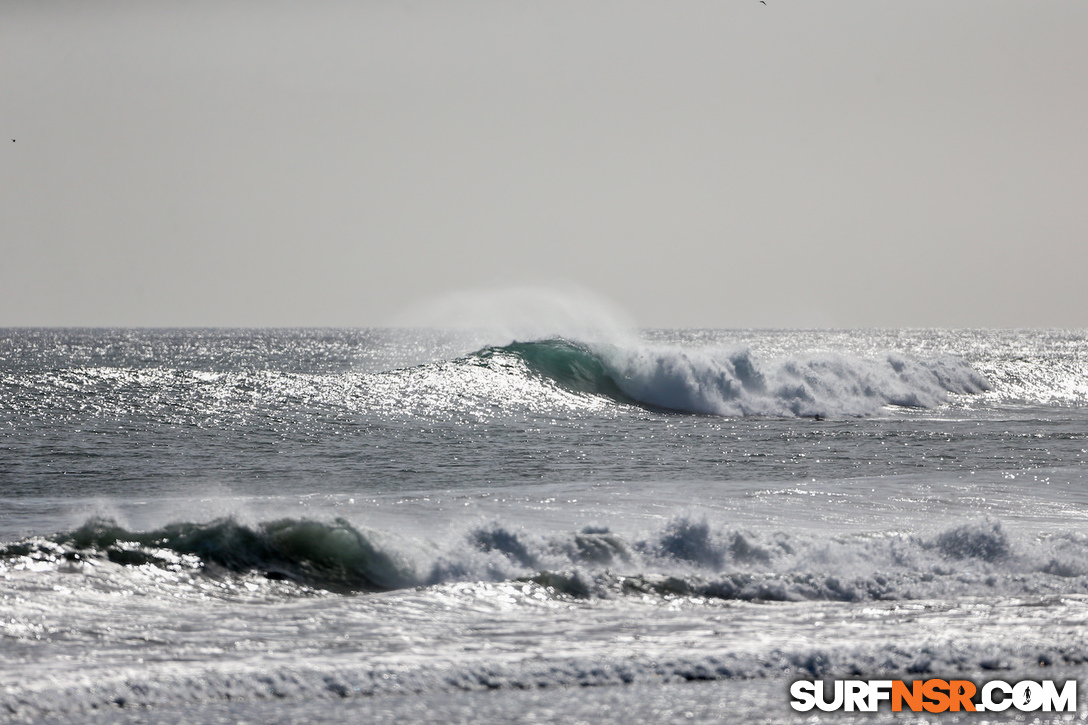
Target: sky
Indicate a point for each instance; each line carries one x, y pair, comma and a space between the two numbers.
697, 163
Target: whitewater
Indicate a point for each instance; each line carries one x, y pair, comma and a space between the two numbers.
455, 525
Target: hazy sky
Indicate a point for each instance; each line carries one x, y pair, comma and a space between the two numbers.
701, 163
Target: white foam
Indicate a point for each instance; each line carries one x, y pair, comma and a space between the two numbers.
735, 383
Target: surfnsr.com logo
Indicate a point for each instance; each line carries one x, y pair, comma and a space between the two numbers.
934, 696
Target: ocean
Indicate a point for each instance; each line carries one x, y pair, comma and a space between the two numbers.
418, 525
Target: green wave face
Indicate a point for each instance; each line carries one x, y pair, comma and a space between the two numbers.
334, 556
572, 366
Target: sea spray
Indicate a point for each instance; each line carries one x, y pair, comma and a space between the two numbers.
502, 315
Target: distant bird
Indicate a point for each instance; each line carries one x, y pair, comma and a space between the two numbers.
763, 1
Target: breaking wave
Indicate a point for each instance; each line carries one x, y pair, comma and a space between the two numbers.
687, 557
333, 556
716, 382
